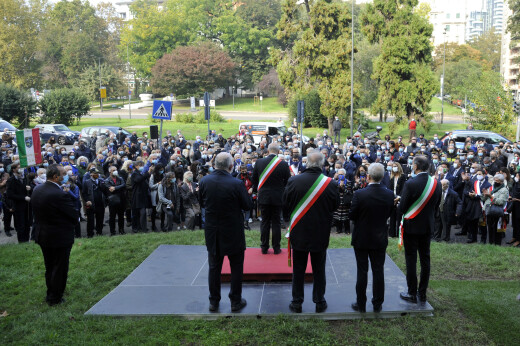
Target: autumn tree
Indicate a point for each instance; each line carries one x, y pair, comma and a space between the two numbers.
406, 81
191, 70
316, 52
456, 52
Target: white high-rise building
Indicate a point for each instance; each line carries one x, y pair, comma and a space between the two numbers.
509, 68
449, 20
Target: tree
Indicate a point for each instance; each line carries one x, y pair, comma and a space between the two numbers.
488, 44
62, 106
270, 85
513, 24
73, 37
363, 71
154, 32
492, 108
312, 102
111, 79
16, 105
19, 32
456, 52
192, 70
315, 53
459, 77
406, 81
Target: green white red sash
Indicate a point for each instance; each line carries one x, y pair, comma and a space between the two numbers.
417, 206
268, 170
305, 204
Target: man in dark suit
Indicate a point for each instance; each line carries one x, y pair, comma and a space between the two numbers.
17, 192
224, 199
94, 196
55, 218
270, 176
419, 229
371, 207
450, 207
312, 232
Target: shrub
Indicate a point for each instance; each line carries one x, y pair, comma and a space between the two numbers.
15, 104
62, 106
184, 118
214, 117
312, 116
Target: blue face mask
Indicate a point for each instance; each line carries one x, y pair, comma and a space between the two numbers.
45, 164
101, 160
211, 169
389, 168
341, 177
64, 163
363, 155
65, 179
304, 165
72, 157
121, 152
401, 150
130, 166
410, 162
173, 180
154, 161
141, 169
161, 172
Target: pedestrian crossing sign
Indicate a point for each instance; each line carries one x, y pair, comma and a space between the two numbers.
162, 110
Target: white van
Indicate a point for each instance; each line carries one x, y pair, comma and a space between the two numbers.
257, 129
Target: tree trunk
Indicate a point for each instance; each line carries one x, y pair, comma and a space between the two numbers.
329, 121
380, 115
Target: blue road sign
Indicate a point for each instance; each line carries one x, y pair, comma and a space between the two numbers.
162, 110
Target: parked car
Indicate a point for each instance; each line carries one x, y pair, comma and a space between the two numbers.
258, 128
490, 137
6, 125
61, 133
87, 132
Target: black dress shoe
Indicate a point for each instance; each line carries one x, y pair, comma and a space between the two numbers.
378, 309
470, 241
295, 307
408, 297
461, 233
264, 251
54, 303
277, 251
238, 306
213, 307
8, 233
321, 307
422, 298
358, 308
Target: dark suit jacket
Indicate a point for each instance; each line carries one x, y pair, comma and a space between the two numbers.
424, 223
371, 207
224, 198
452, 206
54, 216
400, 184
140, 192
312, 232
272, 190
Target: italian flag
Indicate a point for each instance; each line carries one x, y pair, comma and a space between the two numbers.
29, 148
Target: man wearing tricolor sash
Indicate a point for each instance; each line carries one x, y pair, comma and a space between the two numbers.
309, 201
474, 211
420, 196
270, 176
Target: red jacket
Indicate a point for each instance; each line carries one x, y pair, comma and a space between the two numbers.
412, 126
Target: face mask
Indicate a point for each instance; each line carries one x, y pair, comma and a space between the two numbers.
341, 177
71, 157
105, 152
141, 169
435, 161
161, 171
287, 157
304, 164
125, 159
443, 159
248, 150
395, 169
387, 158
121, 152
363, 155
172, 162
188, 147
410, 162
435, 138
2, 170
65, 179
378, 153
203, 156
472, 170
65, 163
480, 154
463, 158
101, 160
69, 173
517, 179
154, 161
455, 165
450, 151
145, 147
45, 164
173, 180
401, 150
389, 168
211, 169
42, 176
470, 157
335, 146
115, 173
480, 177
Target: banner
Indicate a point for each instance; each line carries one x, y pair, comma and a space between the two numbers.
29, 148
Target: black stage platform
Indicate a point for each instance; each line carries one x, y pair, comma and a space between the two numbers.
173, 281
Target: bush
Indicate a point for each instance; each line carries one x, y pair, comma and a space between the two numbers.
16, 104
312, 116
214, 117
184, 118
62, 106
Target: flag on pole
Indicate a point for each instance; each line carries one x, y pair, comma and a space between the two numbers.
29, 148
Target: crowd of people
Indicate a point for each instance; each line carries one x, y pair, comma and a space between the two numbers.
145, 181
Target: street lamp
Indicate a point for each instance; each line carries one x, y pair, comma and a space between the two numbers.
127, 79
442, 79
352, 78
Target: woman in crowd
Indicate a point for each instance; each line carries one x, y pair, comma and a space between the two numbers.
498, 197
340, 217
154, 182
169, 199
189, 192
397, 180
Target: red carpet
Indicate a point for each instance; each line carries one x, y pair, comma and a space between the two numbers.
270, 267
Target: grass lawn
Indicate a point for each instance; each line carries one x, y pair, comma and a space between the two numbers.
269, 104
473, 290
436, 106
108, 104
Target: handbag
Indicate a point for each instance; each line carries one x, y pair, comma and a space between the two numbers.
494, 211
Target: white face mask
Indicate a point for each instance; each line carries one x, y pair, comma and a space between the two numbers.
480, 177
395, 169
517, 179
455, 165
